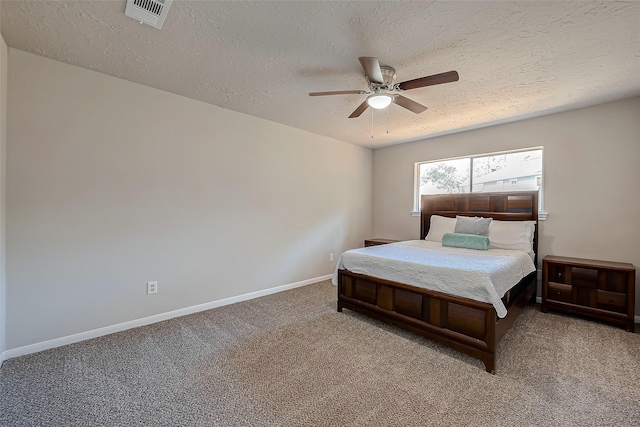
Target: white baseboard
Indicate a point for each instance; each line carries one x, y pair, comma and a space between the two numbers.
82, 336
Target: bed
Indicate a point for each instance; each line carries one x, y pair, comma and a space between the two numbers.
473, 326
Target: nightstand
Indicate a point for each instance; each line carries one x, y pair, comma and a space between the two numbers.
376, 242
602, 290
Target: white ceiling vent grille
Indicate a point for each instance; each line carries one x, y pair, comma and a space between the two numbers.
150, 12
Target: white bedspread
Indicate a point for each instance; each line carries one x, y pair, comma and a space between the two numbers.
480, 275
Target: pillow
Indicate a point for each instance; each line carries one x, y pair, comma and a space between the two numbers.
439, 225
469, 241
514, 235
472, 225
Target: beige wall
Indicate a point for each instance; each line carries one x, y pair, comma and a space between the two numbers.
112, 184
591, 174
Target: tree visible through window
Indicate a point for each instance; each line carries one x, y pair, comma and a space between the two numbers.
450, 176
512, 171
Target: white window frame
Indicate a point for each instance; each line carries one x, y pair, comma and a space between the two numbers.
542, 214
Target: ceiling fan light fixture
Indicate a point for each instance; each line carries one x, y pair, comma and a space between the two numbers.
379, 101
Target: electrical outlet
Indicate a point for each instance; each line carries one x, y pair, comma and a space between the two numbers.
152, 288
331, 256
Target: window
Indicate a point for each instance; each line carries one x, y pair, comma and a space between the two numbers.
507, 171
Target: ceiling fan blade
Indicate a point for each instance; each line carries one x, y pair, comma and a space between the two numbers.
371, 68
339, 92
436, 79
410, 105
359, 110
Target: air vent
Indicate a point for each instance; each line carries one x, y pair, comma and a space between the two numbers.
150, 12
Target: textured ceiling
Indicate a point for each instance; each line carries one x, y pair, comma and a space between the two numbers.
515, 59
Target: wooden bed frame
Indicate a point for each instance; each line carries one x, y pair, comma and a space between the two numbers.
466, 325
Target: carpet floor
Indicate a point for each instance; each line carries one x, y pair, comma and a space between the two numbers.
290, 359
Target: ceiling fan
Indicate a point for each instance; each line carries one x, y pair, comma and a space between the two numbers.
383, 91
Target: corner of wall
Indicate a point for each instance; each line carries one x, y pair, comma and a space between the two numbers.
3, 157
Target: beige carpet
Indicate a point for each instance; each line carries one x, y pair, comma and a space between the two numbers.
291, 360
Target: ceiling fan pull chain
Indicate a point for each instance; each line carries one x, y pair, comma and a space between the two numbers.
387, 121
372, 123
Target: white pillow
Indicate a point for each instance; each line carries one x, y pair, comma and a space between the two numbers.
439, 226
514, 235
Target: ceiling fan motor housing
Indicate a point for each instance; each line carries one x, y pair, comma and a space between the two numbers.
388, 74
388, 77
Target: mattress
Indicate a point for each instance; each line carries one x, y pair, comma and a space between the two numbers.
479, 275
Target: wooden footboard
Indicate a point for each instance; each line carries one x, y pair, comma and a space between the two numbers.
468, 326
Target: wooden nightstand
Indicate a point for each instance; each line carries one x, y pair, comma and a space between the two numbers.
376, 242
602, 290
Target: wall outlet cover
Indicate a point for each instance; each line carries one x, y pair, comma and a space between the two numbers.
152, 288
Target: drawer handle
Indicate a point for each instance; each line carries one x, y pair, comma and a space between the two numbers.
559, 293
611, 301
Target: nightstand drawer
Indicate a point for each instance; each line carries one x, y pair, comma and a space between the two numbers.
559, 292
557, 273
612, 301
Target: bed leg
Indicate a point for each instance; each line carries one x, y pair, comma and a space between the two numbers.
490, 364
339, 307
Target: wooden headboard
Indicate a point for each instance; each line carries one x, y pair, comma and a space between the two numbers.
511, 206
